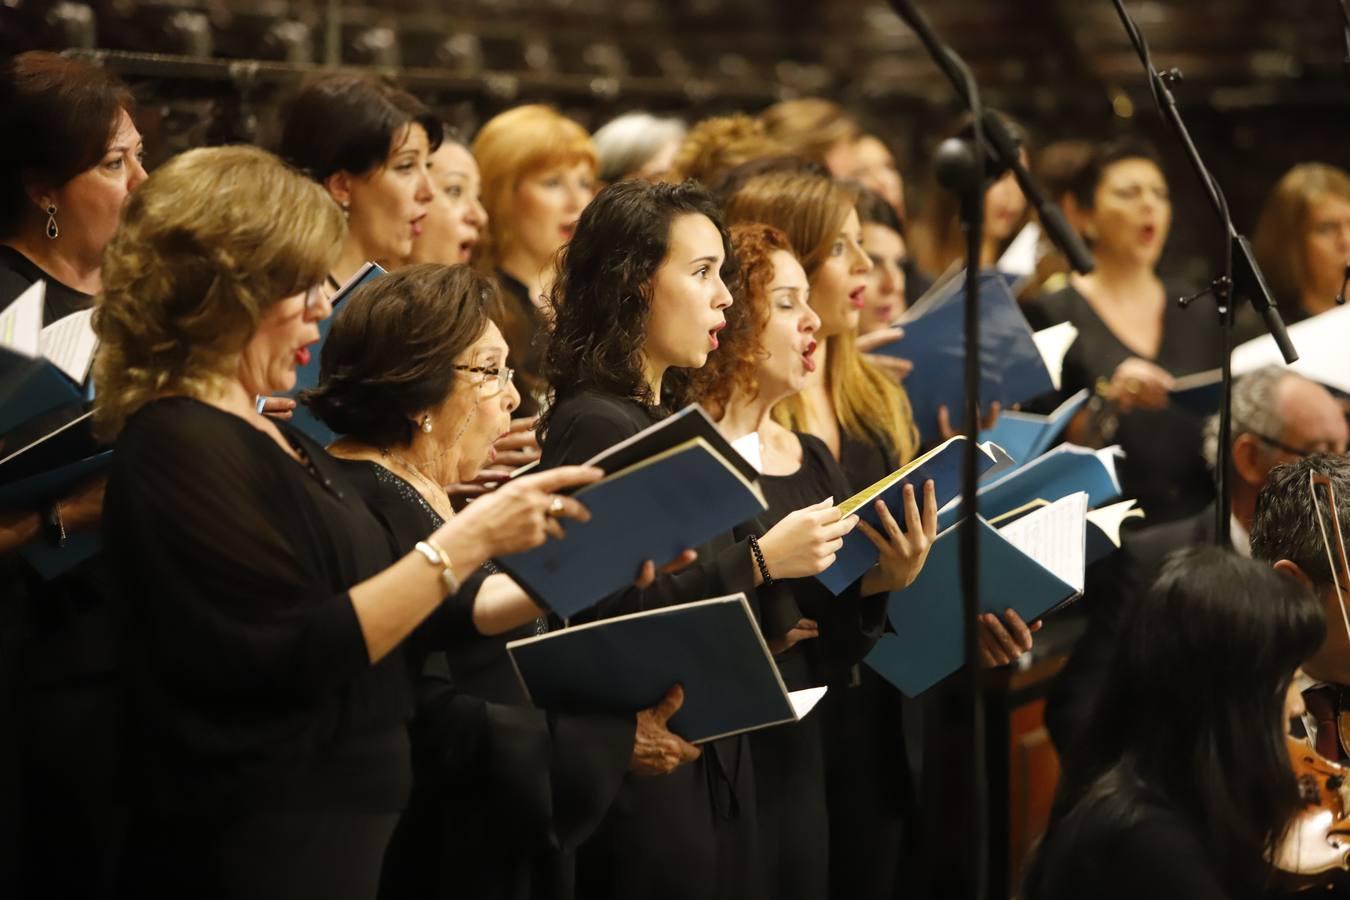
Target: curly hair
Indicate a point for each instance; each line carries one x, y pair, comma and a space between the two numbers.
200, 256
602, 297
733, 366
391, 351
811, 210
715, 146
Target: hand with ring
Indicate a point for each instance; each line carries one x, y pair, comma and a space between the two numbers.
1140, 384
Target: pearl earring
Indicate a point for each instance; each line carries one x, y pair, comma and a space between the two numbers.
426, 425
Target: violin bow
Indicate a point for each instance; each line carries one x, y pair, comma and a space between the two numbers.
1329, 523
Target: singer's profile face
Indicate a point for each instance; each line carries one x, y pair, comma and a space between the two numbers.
547, 206
788, 342
1132, 211
839, 285
886, 283
388, 205
455, 216
688, 296
1327, 244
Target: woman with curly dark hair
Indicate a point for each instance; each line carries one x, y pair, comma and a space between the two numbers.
640, 295
766, 356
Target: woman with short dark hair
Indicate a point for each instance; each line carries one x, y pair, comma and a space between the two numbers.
1184, 786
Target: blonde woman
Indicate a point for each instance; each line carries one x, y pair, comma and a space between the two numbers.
817, 130
270, 700
539, 172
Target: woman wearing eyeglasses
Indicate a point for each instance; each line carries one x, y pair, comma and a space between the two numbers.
414, 376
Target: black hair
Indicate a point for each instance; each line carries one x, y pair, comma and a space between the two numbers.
61, 114
348, 123
1286, 524
392, 347
874, 209
1191, 716
1083, 183
602, 296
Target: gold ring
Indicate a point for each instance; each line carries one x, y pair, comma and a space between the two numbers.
555, 508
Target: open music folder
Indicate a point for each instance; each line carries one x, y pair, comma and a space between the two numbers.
672, 487
1032, 565
307, 376
42, 368
941, 465
1025, 436
620, 666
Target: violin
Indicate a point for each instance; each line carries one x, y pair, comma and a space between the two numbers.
1318, 841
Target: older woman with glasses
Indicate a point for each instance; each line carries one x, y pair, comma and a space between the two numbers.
414, 376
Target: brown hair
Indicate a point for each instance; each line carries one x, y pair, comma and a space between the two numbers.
1283, 226
811, 210
61, 114
809, 127
391, 351
201, 255
715, 146
733, 366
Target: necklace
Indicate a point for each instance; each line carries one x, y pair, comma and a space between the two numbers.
437, 493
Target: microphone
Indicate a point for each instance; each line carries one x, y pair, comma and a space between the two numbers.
1340, 298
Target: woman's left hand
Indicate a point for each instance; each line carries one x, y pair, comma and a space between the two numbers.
902, 552
1001, 645
988, 421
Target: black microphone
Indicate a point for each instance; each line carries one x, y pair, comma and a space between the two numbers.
1340, 298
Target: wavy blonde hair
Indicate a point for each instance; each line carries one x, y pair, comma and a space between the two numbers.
207, 244
811, 210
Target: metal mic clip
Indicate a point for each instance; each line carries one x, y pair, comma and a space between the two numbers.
1340, 298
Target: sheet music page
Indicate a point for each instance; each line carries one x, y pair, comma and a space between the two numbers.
1054, 342
748, 446
805, 700
1320, 342
1055, 536
1110, 518
21, 322
70, 344
1023, 253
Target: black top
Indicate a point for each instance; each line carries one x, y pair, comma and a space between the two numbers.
18, 273
587, 422
1163, 467
525, 344
252, 687
1108, 853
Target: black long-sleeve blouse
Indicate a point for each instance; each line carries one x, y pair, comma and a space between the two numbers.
252, 685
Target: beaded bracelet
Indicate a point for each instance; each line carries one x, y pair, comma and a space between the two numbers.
759, 560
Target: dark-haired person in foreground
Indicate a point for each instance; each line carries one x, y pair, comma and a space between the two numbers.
641, 295
1287, 535
414, 377
72, 157
1184, 788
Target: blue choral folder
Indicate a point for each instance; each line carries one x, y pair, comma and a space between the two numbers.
307, 376
654, 510
1012, 369
1064, 470
620, 666
927, 642
1026, 435
941, 465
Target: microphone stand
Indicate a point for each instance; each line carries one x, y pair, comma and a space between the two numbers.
1241, 275
961, 167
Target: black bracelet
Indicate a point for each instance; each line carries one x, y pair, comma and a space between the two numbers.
53, 529
759, 560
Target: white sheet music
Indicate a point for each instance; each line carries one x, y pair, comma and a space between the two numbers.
70, 344
21, 322
1055, 536
1023, 253
805, 700
1108, 519
1320, 342
1054, 342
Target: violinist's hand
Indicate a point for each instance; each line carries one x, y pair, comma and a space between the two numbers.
893, 366
656, 749
903, 553
519, 446
987, 421
804, 630
281, 408
1139, 384
804, 542
1000, 646
647, 574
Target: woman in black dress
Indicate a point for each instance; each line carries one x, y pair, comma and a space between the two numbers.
414, 377
268, 606
640, 296
1185, 787
73, 158
1133, 338
767, 353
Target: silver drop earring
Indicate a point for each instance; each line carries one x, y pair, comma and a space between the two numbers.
53, 232
426, 425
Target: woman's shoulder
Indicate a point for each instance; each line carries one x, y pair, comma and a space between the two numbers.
586, 422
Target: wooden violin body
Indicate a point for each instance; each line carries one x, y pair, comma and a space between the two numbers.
1318, 842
